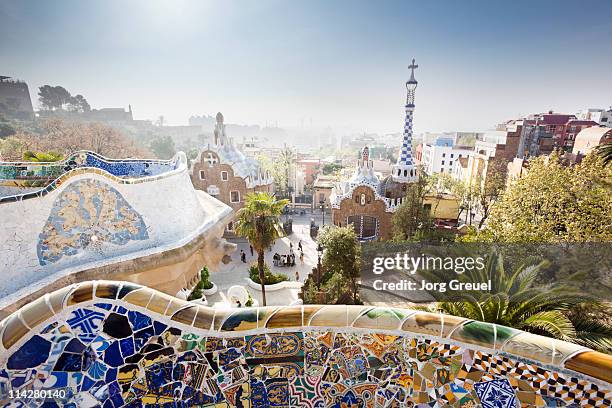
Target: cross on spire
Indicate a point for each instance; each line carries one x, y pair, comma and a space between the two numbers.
412, 66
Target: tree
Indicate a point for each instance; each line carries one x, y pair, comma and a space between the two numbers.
284, 162
555, 203
53, 97
78, 103
259, 222
342, 257
163, 147
331, 168
65, 138
6, 129
489, 191
515, 300
411, 216
605, 151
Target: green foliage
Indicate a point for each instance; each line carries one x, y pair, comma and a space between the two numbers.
196, 293
205, 278
516, 300
203, 283
249, 302
555, 203
605, 151
6, 129
259, 222
42, 157
58, 98
163, 147
331, 168
411, 216
269, 277
342, 256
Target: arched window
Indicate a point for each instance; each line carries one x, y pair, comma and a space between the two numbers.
366, 227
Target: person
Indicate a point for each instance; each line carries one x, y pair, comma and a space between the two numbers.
300, 245
251, 246
302, 257
242, 256
297, 276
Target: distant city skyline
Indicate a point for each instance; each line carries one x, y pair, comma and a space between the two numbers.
341, 64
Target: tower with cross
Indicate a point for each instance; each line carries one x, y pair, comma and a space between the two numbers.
404, 170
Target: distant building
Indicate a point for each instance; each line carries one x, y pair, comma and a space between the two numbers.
15, 99
440, 156
226, 173
571, 129
310, 168
602, 116
322, 187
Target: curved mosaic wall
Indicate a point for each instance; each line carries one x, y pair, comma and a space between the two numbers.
87, 214
113, 344
38, 179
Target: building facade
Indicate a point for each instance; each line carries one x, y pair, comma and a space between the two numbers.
440, 158
226, 173
367, 202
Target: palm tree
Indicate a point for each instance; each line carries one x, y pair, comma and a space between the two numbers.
515, 300
605, 151
259, 222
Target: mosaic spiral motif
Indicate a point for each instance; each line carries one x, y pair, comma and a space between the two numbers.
86, 215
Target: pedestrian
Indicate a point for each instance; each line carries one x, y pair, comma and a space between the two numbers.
300, 245
242, 256
302, 257
297, 276
251, 246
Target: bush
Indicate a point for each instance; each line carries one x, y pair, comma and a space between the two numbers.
205, 278
196, 293
269, 277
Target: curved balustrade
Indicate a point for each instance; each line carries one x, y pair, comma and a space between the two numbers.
110, 344
37, 179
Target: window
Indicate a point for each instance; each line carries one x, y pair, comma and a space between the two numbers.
443, 162
442, 170
202, 175
234, 196
450, 163
443, 154
224, 175
427, 208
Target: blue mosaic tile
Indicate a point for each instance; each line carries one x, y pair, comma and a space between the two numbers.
496, 394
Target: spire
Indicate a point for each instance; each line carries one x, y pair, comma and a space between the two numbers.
404, 170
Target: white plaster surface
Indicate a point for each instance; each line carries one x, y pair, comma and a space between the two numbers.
173, 212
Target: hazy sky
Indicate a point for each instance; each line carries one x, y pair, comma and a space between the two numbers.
337, 63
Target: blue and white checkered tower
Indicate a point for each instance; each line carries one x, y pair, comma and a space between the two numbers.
404, 171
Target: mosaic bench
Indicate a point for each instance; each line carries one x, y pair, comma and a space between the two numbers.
117, 344
38, 179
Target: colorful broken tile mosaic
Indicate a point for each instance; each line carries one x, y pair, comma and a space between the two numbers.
37, 179
87, 214
101, 345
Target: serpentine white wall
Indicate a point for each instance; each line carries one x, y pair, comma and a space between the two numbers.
93, 219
